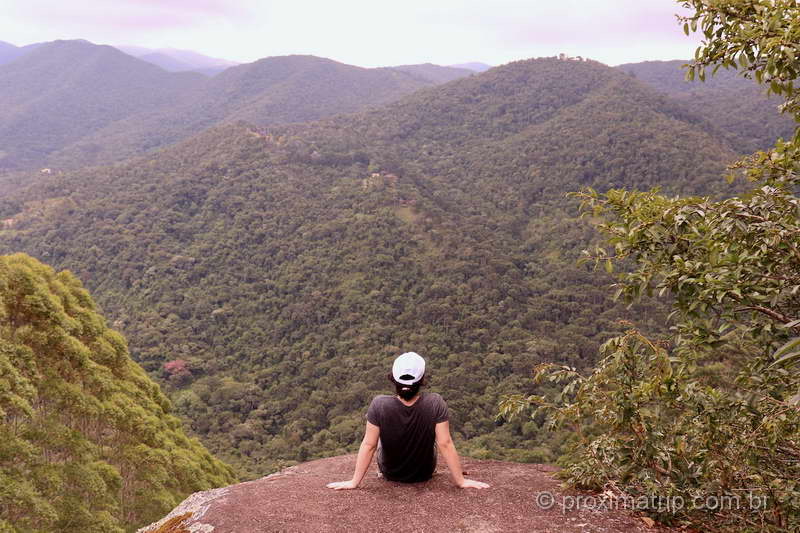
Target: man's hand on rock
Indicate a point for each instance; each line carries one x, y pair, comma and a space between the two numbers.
472, 484
342, 485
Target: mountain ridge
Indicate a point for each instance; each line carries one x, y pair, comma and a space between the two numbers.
280, 89
72, 103
737, 107
62, 91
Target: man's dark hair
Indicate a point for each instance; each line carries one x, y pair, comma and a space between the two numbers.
407, 392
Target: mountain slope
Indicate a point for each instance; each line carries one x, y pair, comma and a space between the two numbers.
168, 63
269, 91
62, 91
435, 73
72, 103
175, 60
8, 52
196, 60
87, 443
285, 266
736, 106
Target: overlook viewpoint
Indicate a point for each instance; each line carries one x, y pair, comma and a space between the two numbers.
522, 497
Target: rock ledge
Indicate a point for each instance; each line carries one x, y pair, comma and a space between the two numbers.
296, 499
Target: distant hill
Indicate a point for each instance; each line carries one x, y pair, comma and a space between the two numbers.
71, 103
475, 67
269, 91
60, 92
286, 265
175, 60
198, 61
8, 52
210, 71
670, 77
168, 63
738, 107
435, 73
88, 440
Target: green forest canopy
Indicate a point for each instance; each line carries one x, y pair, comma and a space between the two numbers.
87, 441
267, 276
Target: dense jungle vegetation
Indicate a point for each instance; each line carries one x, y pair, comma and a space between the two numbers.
267, 276
87, 441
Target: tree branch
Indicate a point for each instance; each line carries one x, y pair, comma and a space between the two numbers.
780, 317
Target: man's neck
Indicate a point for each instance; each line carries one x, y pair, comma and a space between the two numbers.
410, 402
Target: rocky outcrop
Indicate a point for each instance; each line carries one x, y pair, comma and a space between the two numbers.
296, 499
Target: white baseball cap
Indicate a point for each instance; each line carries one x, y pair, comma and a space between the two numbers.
408, 368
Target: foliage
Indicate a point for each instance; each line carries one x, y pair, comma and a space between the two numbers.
713, 409
87, 443
759, 37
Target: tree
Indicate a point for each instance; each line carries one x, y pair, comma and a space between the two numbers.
87, 441
713, 409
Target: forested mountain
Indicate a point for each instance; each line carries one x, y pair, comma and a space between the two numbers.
267, 276
72, 103
435, 73
175, 60
87, 441
738, 107
62, 91
273, 90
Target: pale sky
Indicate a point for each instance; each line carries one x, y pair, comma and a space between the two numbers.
367, 33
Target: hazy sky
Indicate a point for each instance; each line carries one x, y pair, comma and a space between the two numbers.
364, 32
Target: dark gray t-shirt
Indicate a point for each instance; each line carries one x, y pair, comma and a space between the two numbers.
407, 435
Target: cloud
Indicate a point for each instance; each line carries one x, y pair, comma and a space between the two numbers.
100, 16
363, 32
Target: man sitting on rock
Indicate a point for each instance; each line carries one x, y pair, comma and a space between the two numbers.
407, 429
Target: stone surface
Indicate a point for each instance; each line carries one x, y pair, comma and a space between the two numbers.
296, 499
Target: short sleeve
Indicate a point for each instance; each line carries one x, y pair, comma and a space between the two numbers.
440, 413
373, 413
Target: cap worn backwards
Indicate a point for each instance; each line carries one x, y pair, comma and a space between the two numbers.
408, 368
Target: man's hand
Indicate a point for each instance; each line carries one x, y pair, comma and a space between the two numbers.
342, 485
472, 484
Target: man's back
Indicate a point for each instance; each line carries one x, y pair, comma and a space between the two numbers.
407, 435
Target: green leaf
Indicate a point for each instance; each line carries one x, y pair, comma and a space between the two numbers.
789, 357
785, 354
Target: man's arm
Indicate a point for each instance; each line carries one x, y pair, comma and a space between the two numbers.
368, 445
448, 449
